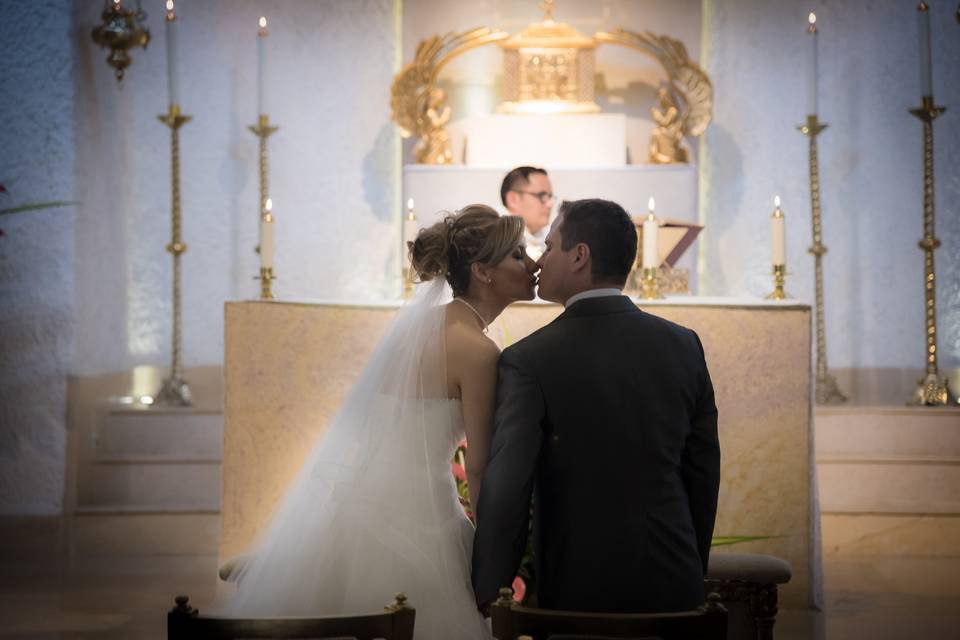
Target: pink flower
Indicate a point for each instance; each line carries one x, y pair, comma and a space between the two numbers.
458, 471
519, 589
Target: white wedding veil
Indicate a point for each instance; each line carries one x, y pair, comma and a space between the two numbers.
372, 511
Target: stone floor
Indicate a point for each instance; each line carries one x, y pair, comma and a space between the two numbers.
52, 597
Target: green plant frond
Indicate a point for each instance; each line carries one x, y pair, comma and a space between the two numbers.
720, 541
37, 205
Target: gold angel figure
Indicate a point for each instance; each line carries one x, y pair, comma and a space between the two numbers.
666, 142
419, 107
434, 144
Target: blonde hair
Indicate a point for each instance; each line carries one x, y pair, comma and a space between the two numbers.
475, 233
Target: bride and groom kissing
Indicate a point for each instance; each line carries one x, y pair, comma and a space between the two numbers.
604, 418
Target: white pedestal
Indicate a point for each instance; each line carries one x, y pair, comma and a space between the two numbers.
574, 140
436, 189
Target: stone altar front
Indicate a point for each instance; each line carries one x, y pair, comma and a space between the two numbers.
288, 366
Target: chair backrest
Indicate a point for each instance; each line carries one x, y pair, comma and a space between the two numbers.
511, 621
394, 623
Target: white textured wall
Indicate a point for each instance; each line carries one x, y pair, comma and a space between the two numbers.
36, 252
332, 169
870, 167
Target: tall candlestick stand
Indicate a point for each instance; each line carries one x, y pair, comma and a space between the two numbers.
827, 391
933, 390
263, 130
174, 391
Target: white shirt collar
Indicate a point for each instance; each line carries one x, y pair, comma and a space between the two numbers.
593, 293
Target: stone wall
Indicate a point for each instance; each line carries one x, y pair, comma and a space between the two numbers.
37, 41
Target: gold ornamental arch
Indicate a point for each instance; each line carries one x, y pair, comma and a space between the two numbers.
550, 65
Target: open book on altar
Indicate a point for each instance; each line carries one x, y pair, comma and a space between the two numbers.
674, 237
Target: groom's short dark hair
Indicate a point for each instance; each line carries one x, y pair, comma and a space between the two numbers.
606, 228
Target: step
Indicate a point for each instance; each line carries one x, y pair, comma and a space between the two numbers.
170, 432
890, 534
156, 481
886, 431
136, 530
923, 485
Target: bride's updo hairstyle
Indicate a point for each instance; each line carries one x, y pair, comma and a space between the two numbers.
476, 233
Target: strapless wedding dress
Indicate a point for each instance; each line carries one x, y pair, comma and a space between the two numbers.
397, 525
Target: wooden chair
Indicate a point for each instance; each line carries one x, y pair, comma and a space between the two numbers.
747, 583
394, 623
514, 622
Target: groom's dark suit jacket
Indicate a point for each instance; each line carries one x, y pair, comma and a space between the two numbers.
607, 417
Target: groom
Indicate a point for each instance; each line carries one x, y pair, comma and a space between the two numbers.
606, 417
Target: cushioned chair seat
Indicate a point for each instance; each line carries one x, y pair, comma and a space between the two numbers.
753, 567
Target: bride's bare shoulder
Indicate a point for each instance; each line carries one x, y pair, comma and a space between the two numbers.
465, 342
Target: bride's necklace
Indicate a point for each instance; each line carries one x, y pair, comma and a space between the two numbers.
477, 313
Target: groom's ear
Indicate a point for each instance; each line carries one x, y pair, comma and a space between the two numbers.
581, 256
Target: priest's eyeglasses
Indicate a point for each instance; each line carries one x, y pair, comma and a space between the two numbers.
543, 196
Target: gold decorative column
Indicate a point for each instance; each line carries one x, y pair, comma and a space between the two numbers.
263, 130
175, 391
932, 389
827, 391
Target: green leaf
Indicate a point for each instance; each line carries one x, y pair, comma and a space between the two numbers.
720, 541
37, 205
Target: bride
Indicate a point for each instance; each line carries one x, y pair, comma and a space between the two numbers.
375, 509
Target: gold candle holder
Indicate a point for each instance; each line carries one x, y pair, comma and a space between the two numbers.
650, 288
827, 391
932, 390
266, 279
779, 280
263, 130
174, 390
409, 222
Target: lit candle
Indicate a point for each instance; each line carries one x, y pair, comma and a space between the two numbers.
812, 88
409, 224
926, 71
650, 227
779, 232
262, 67
173, 68
266, 236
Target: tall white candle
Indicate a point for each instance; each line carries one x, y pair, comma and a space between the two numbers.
779, 233
266, 236
173, 66
813, 69
262, 66
926, 70
650, 229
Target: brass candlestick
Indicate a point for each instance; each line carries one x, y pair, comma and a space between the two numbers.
266, 279
174, 391
933, 390
779, 280
650, 288
263, 130
827, 391
406, 253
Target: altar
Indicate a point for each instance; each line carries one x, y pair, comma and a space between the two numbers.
288, 366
